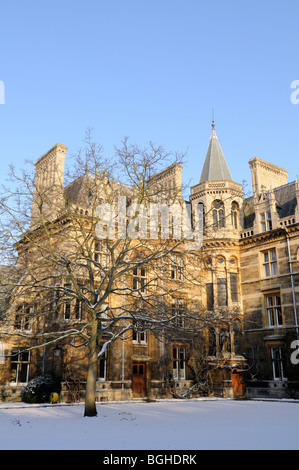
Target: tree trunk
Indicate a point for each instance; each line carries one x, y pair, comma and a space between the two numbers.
90, 392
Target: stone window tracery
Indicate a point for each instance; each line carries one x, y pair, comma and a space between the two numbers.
218, 214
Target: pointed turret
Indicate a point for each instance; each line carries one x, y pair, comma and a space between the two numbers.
220, 196
215, 167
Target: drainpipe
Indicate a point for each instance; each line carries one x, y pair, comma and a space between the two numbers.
162, 345
123, 345
292, 281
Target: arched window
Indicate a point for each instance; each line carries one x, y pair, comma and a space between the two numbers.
201, 212
234, 214
218, 214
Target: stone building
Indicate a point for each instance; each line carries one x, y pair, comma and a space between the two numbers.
249, 272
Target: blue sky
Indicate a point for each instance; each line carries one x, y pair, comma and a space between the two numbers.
151, 70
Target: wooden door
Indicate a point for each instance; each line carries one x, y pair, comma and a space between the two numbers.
139, 379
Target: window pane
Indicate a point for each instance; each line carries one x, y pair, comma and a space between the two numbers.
221, 218
67, 310
273, 255
270, 316
23, 377
222, 292
102, 368
210, 296
142, 337
24, 356
234, 287
215, 218
267, 270
274, 268
278, 316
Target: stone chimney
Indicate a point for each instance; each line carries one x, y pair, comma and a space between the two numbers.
48, 198
265, 175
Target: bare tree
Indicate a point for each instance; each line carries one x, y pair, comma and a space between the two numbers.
90, 239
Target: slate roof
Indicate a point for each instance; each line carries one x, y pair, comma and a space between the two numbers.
286, 202
215, 167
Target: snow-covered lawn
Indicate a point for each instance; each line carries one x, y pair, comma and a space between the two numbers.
162, 425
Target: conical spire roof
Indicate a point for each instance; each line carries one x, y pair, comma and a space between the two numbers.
215, 166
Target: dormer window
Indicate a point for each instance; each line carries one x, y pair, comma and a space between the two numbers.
266, 222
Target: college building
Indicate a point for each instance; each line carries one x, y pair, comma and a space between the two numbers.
248, 276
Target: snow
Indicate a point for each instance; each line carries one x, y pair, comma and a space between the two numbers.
199, 424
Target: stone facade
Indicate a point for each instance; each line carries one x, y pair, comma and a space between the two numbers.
250, 269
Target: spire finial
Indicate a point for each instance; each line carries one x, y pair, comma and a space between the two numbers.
213, 123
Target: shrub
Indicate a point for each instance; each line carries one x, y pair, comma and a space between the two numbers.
38, 390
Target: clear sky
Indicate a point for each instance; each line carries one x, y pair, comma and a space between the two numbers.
151, 70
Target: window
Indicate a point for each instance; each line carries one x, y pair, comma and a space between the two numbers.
139, 280
218, 214
78, 310
101, 253
177, 267
139, 335
210, 295
277, 363
233, 287
67, 303
266, 222
53, 302
270, 263
273, 305
19, 367
201, 213
179, 363
24, 317
178, 312
222, 292
102, 366
234, 215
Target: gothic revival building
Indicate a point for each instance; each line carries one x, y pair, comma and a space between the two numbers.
250, 268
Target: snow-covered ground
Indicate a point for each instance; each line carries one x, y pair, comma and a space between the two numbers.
162, 425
